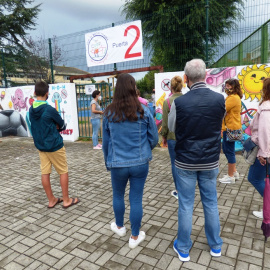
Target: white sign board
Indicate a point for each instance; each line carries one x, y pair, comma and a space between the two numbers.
89, 89
114, 45
61, 96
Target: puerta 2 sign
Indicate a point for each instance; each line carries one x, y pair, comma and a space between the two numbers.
114, 45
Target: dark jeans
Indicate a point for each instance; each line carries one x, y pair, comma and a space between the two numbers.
136, 176
256, 175
228, 149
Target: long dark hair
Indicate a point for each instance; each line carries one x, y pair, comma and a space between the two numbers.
236, 89
125, 103
265, 90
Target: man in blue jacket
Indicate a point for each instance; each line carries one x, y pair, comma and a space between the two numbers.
46, 123
196, 119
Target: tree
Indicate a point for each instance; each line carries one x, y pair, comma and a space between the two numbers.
32, 58
175, 31
37, 57
147, 83
15, 20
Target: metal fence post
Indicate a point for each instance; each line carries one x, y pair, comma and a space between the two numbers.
51, 59
114, 65
4, 68
264, 44
240, 54
206, 32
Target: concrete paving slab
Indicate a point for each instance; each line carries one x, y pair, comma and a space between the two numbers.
35, 237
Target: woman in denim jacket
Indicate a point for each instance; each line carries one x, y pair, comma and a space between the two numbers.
260, 134
129, 135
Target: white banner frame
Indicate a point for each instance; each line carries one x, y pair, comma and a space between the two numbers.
113, 45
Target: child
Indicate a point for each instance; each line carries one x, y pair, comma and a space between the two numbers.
46, 123
142, 100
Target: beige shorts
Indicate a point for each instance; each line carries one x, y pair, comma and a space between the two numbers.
58, 159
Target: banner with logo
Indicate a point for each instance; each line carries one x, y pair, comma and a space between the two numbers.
114, 45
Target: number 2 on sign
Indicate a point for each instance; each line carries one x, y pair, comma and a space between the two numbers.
128, 54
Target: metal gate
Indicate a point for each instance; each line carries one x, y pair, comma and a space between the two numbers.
84, 109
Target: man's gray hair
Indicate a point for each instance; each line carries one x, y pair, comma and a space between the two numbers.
195, 70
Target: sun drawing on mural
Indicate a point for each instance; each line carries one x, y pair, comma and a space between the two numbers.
251, 80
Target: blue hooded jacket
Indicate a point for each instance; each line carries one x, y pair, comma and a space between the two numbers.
44, 118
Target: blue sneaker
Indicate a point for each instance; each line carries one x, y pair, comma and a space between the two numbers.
183, 257
215, 252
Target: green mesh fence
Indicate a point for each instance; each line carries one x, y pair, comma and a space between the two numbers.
176, 35
252, 50
249, 42
173, 36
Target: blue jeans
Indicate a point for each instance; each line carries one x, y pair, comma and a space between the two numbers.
256, 175
95, 129
186, 184
228, 149
136, 176
171, 146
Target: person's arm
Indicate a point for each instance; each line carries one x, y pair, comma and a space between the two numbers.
231, 102
105, 139
152, 132
60, 124
165, 129
254, 124
143, 101
263, 134
93, 109
172, 118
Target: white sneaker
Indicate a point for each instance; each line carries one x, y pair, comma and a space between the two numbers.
227, 179
174, 194
215, 252
236, 175
97, 147
121, 232
258, 214
134, 243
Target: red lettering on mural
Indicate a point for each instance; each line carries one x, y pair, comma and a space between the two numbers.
67, 132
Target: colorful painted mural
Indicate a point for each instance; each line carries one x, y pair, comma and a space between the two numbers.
16, 102
250, 79
12, 123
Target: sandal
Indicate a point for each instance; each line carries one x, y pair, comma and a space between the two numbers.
72, 203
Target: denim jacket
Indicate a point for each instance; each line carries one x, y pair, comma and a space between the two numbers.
127, 144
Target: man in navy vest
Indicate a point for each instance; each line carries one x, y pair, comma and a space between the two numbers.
196, 119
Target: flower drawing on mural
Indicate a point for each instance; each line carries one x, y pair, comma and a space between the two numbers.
251, 80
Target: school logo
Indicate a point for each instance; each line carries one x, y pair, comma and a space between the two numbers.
98, 48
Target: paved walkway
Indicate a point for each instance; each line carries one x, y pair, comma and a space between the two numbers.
34, 237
